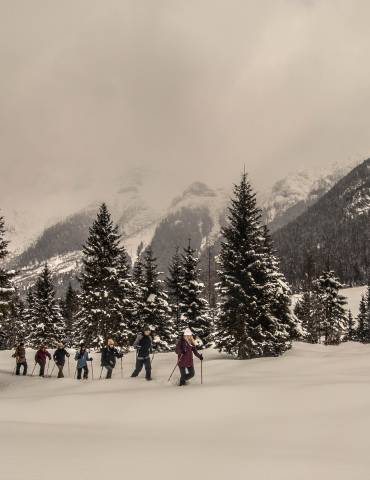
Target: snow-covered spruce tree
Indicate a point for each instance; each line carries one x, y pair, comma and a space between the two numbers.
47, 321
194, 309
125, 292
138, 293
6, 289
363, 329
332, 311
15, 322
28, 315
246, 326
278, 290
101, 312
174, 286
156, 310
351, 330
70, 307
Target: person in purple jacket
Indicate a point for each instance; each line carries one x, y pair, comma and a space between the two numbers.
185, 349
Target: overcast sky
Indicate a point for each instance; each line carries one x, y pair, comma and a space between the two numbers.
191, 88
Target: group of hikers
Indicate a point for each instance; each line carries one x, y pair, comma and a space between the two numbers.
186, 348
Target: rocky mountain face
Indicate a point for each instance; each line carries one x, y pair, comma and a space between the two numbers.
197, 214
333, 233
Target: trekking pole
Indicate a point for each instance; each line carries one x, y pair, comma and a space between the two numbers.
101, 373
92, 371
173, 371
69, 370
201, 372
121, 367
14, 369
33, 370
52, 370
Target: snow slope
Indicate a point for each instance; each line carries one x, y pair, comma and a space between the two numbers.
301, 416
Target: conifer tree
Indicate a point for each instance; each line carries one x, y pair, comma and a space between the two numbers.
362, 321
6, 287
101, 315
194, 309
156, 311
351, 332
246, 326
70, 307
47, 321
28, 315
332, 303
174, 285
138, 295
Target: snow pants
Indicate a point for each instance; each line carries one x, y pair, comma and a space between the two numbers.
109, 371
79, 372
42, 369
60, 371
18, 369
186, 374
140, 363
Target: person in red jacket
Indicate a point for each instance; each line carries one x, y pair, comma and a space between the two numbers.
185, 349
41, 355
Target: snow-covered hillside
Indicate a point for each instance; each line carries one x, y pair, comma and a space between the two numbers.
301, 416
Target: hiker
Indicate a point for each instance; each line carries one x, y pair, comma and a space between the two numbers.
185, 348
41, 355
59, 358
20, 358
108, 357
82, 357
144, 347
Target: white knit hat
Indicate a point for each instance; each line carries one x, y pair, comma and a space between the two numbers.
188, 332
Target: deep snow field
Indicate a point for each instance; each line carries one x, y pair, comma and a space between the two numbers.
301, 416
305, 415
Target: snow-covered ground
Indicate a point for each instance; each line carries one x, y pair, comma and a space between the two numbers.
301, 416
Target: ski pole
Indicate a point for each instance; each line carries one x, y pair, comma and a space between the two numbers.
69, 371
52, 370
33, 370
121, 367
75, 372
101, 373
92, 371
14, 369
173, 371
201, 372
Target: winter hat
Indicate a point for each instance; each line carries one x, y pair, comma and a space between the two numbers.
60, 345
188, 332
110, 342
147, 328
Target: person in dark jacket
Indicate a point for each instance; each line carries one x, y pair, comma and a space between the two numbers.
20, 358
82, 357
185, 349
108, 357
59, 358
41, 355
144, 347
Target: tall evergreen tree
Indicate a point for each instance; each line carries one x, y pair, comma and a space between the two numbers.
138, 293
333, 313
194, 308
363, 321
101, 314
6, 287
70, 307
351, 330
156, 311
246, 326
174, 284
47, 321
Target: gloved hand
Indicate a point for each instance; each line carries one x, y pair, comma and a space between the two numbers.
201, 357
90, 359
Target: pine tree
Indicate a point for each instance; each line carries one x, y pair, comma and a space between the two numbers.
174, 284
351, 332
333, 313
246, 326
156, 311
29, 315
138, 295
47, 321
362, 332
101, 314
6, 289
70, 308
194, 309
